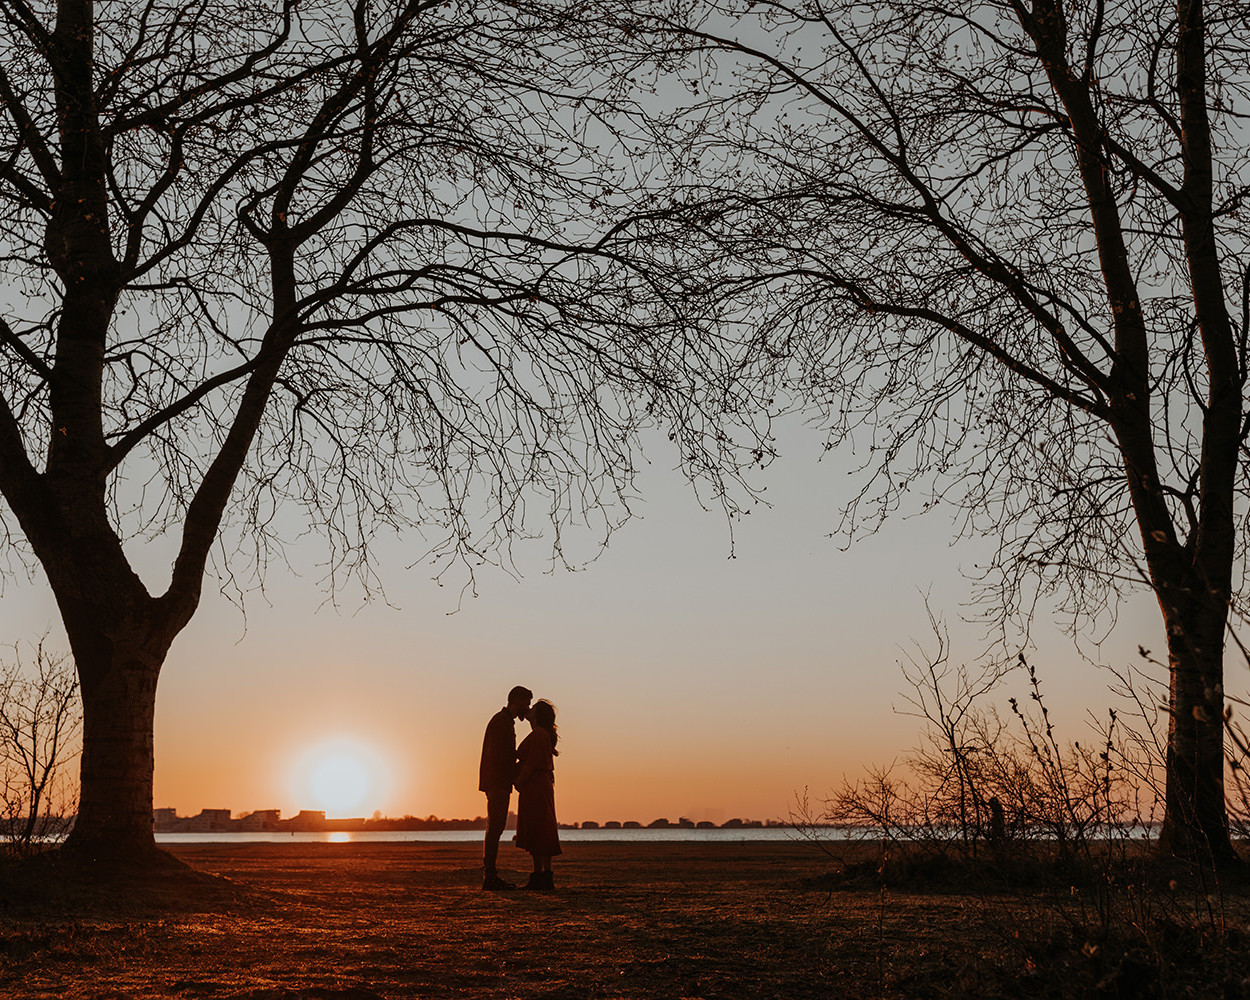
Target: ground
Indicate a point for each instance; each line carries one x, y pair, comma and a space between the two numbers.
677, 920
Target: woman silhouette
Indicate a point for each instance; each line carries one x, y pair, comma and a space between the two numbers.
536, 829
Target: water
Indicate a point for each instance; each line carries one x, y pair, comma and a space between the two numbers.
670, 835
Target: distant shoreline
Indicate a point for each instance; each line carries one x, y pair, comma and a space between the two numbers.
316, 821
659, 835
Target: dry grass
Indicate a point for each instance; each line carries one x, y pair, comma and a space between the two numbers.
740, 921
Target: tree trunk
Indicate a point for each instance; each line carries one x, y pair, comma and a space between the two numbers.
1192, 582
1195, 823
118, 685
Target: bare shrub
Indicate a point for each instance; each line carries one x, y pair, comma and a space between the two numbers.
1057, 838
40, 733
980, 778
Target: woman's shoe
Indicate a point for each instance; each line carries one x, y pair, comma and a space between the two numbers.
540, 880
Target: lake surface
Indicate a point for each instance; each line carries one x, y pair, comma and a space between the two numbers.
677, 834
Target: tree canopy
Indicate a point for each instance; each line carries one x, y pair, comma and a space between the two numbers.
350, 257
1005, 241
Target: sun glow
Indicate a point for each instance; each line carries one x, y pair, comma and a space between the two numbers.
343, 777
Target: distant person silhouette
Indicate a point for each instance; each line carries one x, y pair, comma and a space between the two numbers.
495, 776
536, 829
998, 820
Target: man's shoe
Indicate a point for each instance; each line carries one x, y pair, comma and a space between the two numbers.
493, 883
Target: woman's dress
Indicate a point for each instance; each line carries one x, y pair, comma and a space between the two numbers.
536, 829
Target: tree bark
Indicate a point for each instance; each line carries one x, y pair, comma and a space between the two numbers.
1191, 581
118, 679
1195, 821
115, 808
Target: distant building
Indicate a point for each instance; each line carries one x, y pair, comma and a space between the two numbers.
630, 824
612, 824
705, 824
261, 819
207, 821
686, 824
307, 819
659, 824
590, 824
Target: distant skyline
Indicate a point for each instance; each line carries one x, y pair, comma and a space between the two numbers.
687, 683
314, 820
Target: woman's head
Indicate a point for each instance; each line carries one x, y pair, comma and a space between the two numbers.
543, 714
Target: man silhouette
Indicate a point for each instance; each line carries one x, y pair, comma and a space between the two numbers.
495, 776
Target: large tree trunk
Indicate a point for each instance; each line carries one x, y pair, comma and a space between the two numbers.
120, 637
1196, 822
1192, 581
118, 675
115, 803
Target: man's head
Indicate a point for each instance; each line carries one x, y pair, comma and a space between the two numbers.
519, 699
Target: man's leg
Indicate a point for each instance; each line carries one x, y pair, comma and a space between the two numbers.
496, 820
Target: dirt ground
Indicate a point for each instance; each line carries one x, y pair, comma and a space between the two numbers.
409, 920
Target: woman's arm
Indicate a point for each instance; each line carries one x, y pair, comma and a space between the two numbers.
526, 754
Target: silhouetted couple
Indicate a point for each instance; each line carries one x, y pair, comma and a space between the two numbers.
531, 769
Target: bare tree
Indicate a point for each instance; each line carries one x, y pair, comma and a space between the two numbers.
40, 729
956, 732
1006, 240
335, 255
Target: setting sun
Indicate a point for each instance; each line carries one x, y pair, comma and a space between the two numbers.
341, 777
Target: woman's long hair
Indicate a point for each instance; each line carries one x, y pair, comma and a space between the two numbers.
543, 714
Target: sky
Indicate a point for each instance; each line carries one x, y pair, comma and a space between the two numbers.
687, 683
